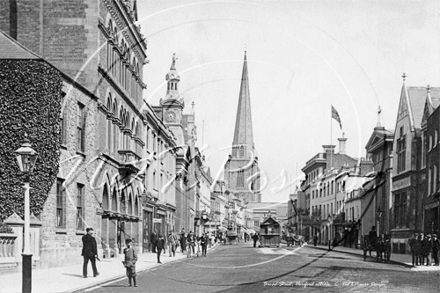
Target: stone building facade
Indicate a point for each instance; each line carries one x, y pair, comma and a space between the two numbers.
430, 159
409, 172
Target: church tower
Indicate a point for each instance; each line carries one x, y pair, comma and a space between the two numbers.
241, 170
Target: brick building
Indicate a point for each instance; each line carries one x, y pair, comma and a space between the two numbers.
97, 45
71, 204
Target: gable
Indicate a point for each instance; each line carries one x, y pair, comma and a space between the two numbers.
403, 105
426, 112
269, 221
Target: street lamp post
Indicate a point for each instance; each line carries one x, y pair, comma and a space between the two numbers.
26, 158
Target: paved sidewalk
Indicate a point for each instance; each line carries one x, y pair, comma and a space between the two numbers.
401, 259
69, 278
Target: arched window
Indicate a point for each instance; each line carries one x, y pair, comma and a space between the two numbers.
240, 178
109, 124
114, 201
130, 205
123, 203
105, 203
136, 206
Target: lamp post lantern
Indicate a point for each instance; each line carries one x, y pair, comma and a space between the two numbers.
26, 158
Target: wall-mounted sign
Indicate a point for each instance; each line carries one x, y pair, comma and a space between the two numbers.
157, 220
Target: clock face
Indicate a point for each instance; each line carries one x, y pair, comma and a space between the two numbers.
170, 116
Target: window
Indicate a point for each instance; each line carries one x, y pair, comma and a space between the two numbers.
241, 152
400, 210
256, 223
81, 127
61, 205
240, 178
401, 151
430, 143
63, 122
80, 207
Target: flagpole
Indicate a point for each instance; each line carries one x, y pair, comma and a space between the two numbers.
331, 138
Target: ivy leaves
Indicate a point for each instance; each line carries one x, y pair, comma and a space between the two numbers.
30, 102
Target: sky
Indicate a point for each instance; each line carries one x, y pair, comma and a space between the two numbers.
303, 57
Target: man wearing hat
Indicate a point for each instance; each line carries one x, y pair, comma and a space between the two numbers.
418, 249
435, 248
412, 246
426, 249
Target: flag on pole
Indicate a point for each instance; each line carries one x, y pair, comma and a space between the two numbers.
335, 116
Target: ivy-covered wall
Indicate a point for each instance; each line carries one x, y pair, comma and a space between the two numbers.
30, 102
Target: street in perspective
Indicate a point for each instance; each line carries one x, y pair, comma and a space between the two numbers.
219, 146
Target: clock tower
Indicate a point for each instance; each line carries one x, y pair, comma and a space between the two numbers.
172, 106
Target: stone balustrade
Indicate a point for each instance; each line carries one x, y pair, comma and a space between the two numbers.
7, 247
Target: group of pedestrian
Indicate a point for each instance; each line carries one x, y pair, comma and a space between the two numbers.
189, 242
422, 246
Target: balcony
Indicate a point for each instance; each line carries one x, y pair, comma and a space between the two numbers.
128, 160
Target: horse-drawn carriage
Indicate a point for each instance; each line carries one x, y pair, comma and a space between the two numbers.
294, 240
232, 237
382, 247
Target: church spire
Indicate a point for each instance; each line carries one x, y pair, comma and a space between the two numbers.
243, 135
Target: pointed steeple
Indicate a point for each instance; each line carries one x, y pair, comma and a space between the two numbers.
243, 135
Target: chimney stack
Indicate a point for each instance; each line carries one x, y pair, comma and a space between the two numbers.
328, 149
342, 142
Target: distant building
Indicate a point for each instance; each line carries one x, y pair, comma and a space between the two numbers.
325, 188
380, 148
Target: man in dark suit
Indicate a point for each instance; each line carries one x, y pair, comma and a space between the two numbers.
89, 252
412, 246
154, 241
435, 248
255, 238
160, 245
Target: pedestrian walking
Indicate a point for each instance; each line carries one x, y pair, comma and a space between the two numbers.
412, 246
160, 244
183, 241
153, 240
130, 260
89, 252
191, 241
172, 240
255, 238
435, 249
204, 243
315, 240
